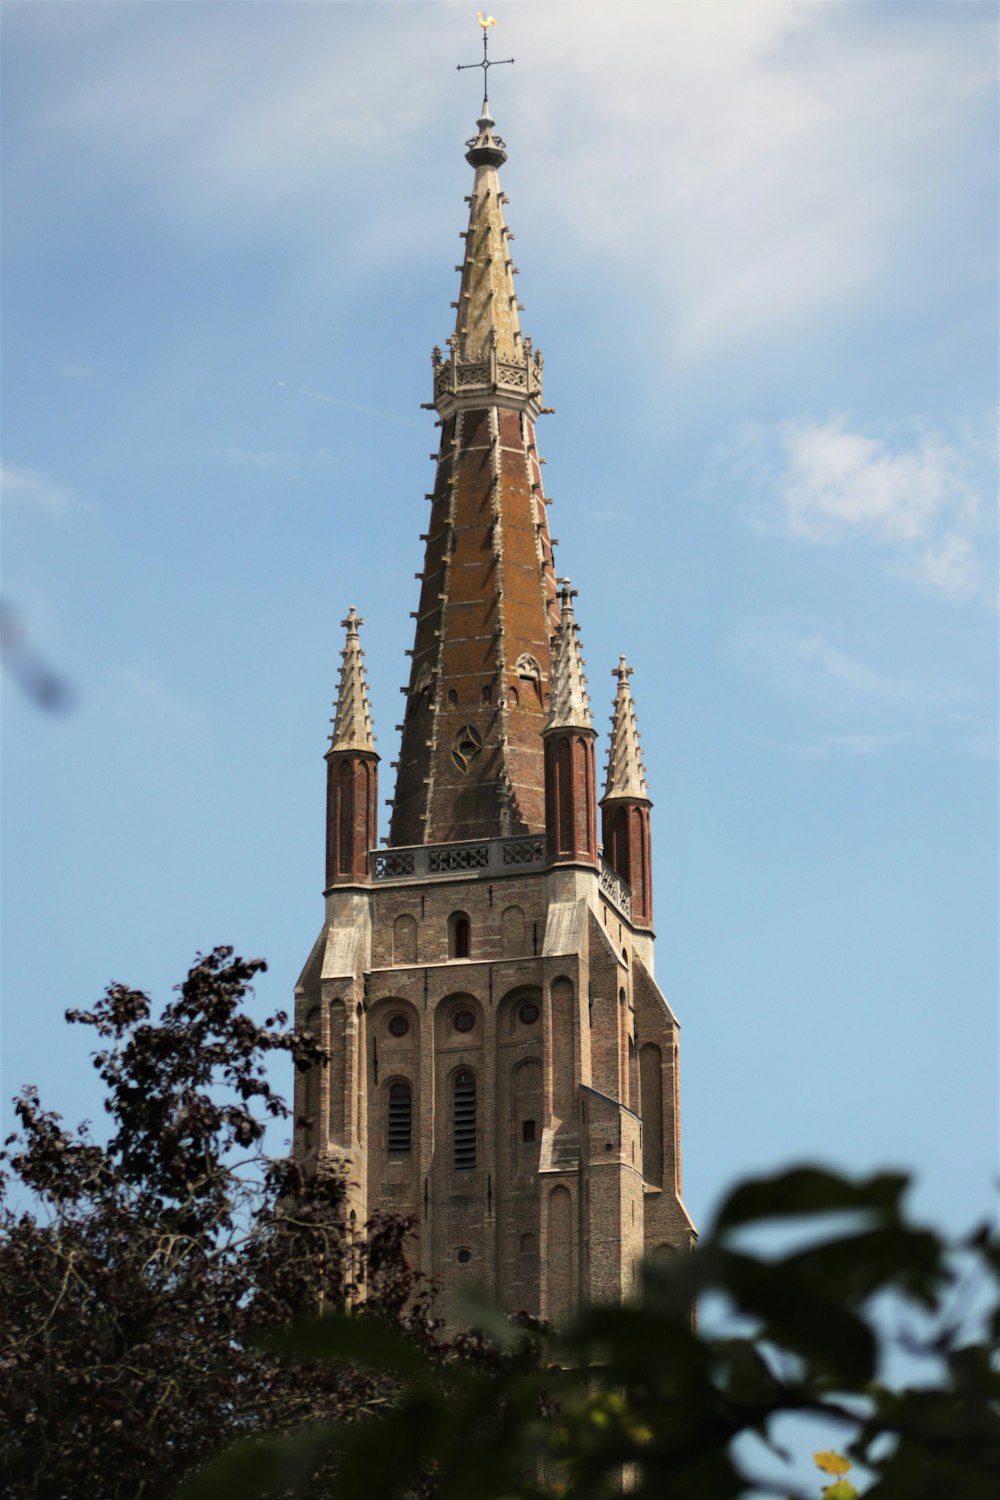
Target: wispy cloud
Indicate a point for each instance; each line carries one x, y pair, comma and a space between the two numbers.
33, 490
735, 186
867, 744
805, 660
286, 462
919, 496
145, 695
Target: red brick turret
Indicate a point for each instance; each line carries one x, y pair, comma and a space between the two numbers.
570, 772
625, 805
351, 771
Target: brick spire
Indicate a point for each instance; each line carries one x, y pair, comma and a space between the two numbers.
471, 762
570, 702
352, 726
626, 772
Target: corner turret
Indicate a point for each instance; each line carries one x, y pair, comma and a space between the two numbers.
352, 770
625, 806
570, 773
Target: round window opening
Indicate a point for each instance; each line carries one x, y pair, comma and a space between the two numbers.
464, 1021
398, 1025
463, 1257
528, 1013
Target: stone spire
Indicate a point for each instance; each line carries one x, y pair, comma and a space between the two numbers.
569, 707
352, 727
488, 356
471, 759
626, 772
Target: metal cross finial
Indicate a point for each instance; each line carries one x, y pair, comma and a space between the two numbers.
485, 22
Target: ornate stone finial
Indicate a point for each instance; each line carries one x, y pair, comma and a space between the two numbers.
626, 772
352, 726
569, 704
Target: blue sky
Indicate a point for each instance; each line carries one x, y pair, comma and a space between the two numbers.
758, 247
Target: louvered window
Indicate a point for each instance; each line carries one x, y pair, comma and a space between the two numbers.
465, 1122
400, 1111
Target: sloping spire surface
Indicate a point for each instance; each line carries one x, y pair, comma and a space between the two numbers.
570, 703
471, 759
352, 727
626, 772
486, 316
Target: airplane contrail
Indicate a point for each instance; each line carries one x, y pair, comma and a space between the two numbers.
367, 411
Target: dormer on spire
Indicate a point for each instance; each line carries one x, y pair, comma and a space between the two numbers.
625, 806
569, 705
626, 772
570, 772
352, 770
352, 727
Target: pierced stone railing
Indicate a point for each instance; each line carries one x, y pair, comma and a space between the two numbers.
516, 382
617, 890
475, 857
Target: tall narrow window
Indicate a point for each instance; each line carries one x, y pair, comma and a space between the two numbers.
458, 935
465, 1122
400, 1118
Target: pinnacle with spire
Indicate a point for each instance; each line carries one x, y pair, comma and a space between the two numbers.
569, 706
352, 727
626, 772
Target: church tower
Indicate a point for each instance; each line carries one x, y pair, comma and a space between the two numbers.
502, 1068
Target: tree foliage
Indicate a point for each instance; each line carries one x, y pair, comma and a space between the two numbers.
172, 1294
130, 1291
637, 1399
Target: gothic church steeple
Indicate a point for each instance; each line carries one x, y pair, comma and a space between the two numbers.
501, 1066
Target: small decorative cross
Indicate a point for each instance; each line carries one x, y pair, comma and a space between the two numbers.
485, 22
622, 672
353, 621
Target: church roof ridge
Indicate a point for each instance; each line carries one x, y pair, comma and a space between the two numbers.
569, 704
626, 773
352, 725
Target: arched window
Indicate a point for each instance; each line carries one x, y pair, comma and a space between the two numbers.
452, 698
400, 1117
458, 935
464, 1121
